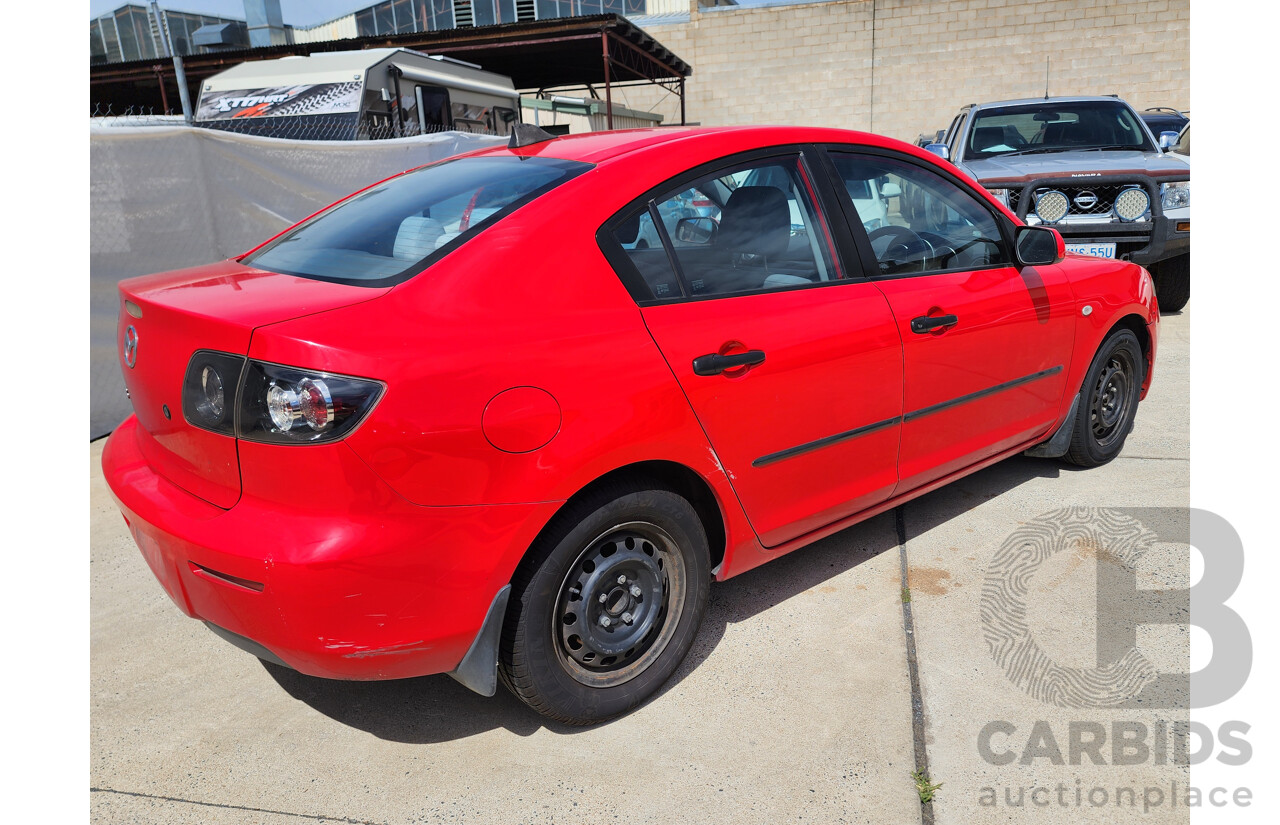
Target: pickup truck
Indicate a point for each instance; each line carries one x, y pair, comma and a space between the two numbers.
1090, 168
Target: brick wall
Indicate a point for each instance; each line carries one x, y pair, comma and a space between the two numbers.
813, 64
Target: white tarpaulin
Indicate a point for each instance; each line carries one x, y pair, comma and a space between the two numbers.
168, 196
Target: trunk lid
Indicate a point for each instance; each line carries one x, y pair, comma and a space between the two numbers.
214, 307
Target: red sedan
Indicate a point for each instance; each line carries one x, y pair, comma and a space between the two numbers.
509, 414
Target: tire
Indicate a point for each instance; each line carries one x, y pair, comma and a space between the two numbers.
1109, 400
1173, 283
606, 604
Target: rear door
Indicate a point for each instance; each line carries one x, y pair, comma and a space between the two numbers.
986, 344
793, 368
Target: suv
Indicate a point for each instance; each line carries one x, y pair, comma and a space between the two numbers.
1090, 168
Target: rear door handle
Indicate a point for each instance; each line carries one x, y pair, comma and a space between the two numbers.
715, 363
928, 323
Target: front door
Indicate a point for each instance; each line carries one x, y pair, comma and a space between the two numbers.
986, 344
793, 368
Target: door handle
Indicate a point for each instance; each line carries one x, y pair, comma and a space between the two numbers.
715, 363
928, 323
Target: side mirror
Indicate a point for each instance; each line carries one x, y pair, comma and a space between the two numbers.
1039, 246
890, 190
939, 149
1167, 139
696, 231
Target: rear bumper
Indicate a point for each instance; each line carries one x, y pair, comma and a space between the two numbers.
351, 582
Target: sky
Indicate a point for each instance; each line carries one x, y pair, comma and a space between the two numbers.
295, 12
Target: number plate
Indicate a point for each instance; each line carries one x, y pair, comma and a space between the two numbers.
1097, 250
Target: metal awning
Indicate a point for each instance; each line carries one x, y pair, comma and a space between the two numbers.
601, 50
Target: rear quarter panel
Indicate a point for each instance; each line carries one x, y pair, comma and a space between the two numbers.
531, 302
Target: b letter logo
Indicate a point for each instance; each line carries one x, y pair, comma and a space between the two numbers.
1123, 677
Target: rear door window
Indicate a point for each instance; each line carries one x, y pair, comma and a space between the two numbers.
396, 229
749, 229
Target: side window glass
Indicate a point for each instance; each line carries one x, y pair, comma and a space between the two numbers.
951, 130
750, 230
916, 220
639, 237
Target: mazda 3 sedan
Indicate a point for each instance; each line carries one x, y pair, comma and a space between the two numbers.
462, 422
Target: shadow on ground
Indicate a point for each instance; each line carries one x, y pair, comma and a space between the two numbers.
437, 709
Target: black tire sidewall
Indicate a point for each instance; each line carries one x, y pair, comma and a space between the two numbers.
555, 692
1173, 283
1085, 449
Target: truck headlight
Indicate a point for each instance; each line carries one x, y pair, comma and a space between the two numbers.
1175, 195
1001, 195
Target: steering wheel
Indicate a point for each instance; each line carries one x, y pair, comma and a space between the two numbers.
952, 253
902, 246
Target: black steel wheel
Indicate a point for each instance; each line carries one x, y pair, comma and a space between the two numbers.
607, 603
1109, 401
620, 603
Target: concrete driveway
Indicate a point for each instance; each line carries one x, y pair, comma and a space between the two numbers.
800, 701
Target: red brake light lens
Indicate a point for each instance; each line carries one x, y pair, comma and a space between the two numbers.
273, 403
284, 405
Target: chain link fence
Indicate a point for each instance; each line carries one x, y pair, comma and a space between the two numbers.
164, 195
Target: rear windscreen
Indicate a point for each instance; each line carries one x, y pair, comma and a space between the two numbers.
395, 229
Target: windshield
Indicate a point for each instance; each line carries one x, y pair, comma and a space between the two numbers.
1055, 127
396, 229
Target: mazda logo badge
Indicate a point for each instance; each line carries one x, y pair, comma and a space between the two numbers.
130, 347
1086, 200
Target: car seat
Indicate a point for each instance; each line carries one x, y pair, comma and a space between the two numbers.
985, 137
417, 238
755, 227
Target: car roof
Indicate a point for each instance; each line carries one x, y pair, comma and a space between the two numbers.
1027, 101
601, 147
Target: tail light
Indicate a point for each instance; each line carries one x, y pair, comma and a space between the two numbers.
273, 403
292, 406
208, 391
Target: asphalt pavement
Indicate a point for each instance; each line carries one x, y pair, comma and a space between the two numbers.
816, 686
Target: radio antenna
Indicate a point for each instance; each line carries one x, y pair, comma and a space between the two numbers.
1046, 77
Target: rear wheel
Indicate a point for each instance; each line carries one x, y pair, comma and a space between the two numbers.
1109, 400
1173, 283
607, 604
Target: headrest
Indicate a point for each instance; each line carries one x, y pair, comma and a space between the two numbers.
756, 220
416, 238
984, 137
629, 230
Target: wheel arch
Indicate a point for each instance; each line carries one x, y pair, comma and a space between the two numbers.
1138, 326
672, 475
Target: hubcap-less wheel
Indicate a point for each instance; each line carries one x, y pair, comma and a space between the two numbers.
619, 604
1111, 400
607, 601
1108, 400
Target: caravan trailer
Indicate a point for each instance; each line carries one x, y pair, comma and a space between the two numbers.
358, 95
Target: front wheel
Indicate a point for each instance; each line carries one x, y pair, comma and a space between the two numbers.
607, 604
1109, 400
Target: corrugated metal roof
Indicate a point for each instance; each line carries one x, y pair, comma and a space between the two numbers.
668, 19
